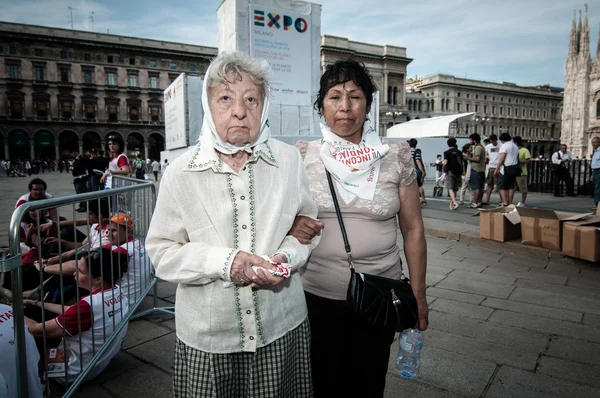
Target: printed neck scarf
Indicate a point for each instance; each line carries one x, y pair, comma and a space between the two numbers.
354, 166
209, 136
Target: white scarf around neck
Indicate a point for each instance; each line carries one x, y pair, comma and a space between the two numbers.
354, 166
209, 136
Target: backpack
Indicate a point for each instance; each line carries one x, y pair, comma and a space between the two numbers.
139, 164
455, 162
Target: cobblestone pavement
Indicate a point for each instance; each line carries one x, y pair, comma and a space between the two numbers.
504, 322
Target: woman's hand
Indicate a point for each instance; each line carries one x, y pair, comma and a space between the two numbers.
305, 229
242, 273
423, 321
50, 240
45, 227
29, 302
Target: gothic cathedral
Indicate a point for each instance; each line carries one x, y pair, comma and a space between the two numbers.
581, 102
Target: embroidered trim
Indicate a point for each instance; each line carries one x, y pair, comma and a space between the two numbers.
238, 307
227, 260
259, 327
269, 157
216, 165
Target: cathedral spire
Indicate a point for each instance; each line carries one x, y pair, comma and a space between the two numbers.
584, 44
573, 39
578, 37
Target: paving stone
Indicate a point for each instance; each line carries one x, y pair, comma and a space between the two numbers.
397, 386
594, 272
155, 316
464, 309
536, 262
574, 350
433, 279
170, 323
506, 267
546, 325
141, 331
491, 351
518, 383
158, 352
558, 289
170, 299
120, 364
88, 390
456, 373
591, 320
533, 309
454, 295
471, 286
499, 279
563, 269
587, 281
556, 300
517, 338
437, 270
166, 289
569, 370
145, 381
534, 274
465, 266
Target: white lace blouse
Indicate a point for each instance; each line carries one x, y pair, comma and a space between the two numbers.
371, 225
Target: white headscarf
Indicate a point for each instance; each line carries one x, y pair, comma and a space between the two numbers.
354, 166
209, 135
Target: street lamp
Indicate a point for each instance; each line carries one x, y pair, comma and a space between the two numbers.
482, 120
394, 115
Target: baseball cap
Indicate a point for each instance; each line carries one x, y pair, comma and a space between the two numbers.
122, 219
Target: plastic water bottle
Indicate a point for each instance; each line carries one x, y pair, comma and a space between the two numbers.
410, 345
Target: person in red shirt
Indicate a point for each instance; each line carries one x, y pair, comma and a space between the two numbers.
119, 164
37, 191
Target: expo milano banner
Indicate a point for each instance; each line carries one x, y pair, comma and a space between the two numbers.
282, 38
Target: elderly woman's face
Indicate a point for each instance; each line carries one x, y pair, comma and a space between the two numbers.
345, 110
236, 109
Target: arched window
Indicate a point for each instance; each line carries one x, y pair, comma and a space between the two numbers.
420, 105
598, 109
395, 95
389, 96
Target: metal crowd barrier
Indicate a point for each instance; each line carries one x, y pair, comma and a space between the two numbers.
541, 179
80, 349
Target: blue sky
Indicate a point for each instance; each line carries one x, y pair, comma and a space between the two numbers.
520, 41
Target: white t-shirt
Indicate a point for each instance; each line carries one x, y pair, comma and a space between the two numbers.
99, 314
139, 270
8, 367
115, 164
155, 166
99, 235
493, 152
512, 154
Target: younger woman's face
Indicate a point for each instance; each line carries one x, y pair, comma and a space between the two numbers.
113, 146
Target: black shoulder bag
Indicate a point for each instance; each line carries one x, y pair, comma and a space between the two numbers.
382, 302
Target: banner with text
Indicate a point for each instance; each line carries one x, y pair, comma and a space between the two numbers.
176, 114
282, 38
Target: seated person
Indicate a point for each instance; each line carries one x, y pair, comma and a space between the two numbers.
87, 324
99, 232
139, 268
8, 367
37, 191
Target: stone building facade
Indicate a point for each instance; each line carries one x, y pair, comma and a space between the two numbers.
581, 109
66, 90
534, 113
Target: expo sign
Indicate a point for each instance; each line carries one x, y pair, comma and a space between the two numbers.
276, 21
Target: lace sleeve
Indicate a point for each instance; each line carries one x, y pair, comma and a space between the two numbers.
406, 167
302, 146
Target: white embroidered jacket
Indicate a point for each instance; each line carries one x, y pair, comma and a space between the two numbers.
204, 215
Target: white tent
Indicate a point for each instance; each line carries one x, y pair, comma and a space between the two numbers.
431, 127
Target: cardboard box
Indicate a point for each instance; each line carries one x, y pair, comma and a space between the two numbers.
540, 227
581, 239
499, 224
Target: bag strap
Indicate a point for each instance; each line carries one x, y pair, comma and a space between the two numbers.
340, 220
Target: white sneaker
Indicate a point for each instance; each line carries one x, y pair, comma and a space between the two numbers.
454, 206
520, 204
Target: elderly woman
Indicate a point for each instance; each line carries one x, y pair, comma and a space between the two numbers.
219, 231
350, 358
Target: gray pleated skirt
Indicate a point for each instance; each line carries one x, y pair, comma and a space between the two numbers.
279, 370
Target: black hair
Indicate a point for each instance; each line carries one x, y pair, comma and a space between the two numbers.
107, 264
493, 137
475, 137
119, 140
438, 155
99, 209
413, 142
37, 181
518, 140
451, 142
343, 71
504, 137
487, 141
466, 147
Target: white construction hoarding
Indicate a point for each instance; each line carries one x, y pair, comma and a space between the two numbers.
176, 119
